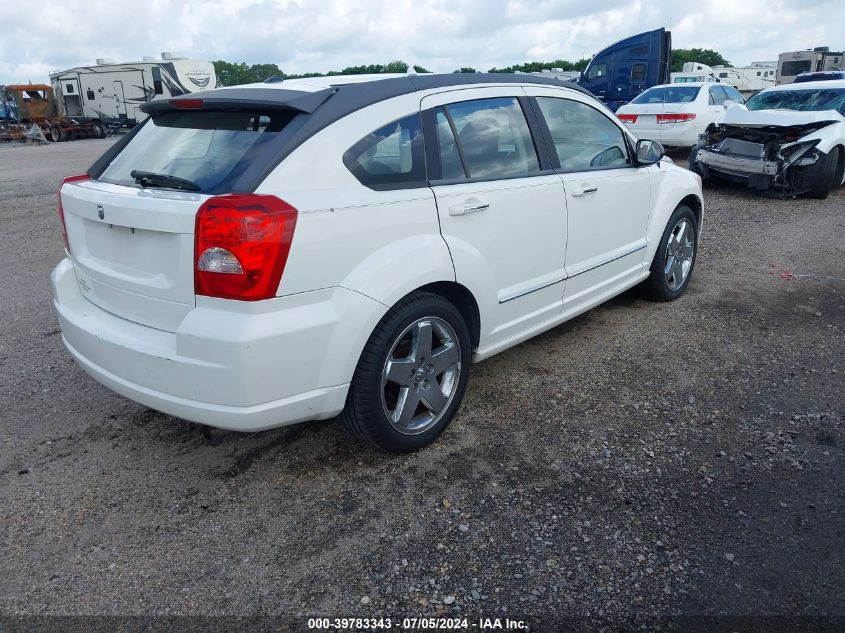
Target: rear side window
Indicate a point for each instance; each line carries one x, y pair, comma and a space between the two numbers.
210, 149
392, 157
717, 95
638, 72
494, 139
584, 138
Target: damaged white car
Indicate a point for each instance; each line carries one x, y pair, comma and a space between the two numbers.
790, 138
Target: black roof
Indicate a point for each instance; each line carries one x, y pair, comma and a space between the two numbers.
319, 109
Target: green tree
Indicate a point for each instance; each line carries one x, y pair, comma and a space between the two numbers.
465, 69
701, 55
535, 67
235, 74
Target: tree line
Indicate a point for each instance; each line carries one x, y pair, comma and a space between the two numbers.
235, 74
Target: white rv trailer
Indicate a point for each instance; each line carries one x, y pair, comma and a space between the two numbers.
114, 92
692, 72
792, 64
753, 78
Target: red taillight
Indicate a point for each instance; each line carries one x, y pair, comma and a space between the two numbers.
627, 118
241, 245
77, 178
675, 118
187, 104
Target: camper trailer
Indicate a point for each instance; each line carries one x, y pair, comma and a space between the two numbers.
693, 72
114, 92
792, 64
747, 79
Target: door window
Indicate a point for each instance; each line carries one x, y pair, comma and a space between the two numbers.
717, 95
392, 157
157, 80
451, 165
733, 94
596, 71
493, 139
584, 138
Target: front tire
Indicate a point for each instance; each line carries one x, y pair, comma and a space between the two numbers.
671, 268
818, 179
412, 375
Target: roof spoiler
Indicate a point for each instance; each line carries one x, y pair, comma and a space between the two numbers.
235, 99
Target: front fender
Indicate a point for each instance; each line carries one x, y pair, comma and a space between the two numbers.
670, 186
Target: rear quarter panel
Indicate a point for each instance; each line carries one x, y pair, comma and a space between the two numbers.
383, 244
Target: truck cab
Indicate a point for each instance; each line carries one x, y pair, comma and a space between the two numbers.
623, 70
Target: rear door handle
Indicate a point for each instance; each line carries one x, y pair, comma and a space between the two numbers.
471, 206
584, 191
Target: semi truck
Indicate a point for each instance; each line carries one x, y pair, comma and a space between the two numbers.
623, 70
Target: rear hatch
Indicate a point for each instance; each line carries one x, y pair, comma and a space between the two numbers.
132, 243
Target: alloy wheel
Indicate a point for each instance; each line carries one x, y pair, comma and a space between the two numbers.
421, 375
680, 250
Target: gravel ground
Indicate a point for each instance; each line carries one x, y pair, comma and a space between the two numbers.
642, 462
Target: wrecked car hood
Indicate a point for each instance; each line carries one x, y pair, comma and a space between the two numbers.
740, 116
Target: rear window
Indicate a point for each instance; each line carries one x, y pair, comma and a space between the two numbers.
668, 94
210, 149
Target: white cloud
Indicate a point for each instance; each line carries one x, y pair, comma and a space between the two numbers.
303, 35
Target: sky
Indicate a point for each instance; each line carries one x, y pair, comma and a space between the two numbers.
442, 35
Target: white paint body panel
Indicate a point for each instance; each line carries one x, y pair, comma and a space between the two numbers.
680, 134
535, 258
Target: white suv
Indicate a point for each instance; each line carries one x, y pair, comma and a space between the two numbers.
257, 256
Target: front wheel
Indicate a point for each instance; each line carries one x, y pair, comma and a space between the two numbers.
671, 268
412, 375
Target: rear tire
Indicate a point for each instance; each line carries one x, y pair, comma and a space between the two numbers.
818, 179
412, 375
55, 134
673, 263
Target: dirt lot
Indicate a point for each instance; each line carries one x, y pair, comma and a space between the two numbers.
642, 461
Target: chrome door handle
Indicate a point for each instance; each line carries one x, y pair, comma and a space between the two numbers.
585, 191
469, 207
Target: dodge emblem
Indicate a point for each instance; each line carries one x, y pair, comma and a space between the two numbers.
100, 211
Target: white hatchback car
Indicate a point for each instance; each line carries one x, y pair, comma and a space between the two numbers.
676, 114
258, 256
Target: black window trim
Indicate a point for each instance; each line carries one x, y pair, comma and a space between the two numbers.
433, 147
547, 134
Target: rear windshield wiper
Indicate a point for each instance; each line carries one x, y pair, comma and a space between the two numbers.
150, 178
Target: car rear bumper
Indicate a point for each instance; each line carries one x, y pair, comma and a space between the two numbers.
233, 365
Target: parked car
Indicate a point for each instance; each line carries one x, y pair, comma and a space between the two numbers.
789, 137
677, 114
269, 254
824, 75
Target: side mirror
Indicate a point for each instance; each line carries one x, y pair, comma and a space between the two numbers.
649, 152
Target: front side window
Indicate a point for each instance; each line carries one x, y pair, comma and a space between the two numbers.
733, 94
584, 138
596, 71
494, 139
391, 157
